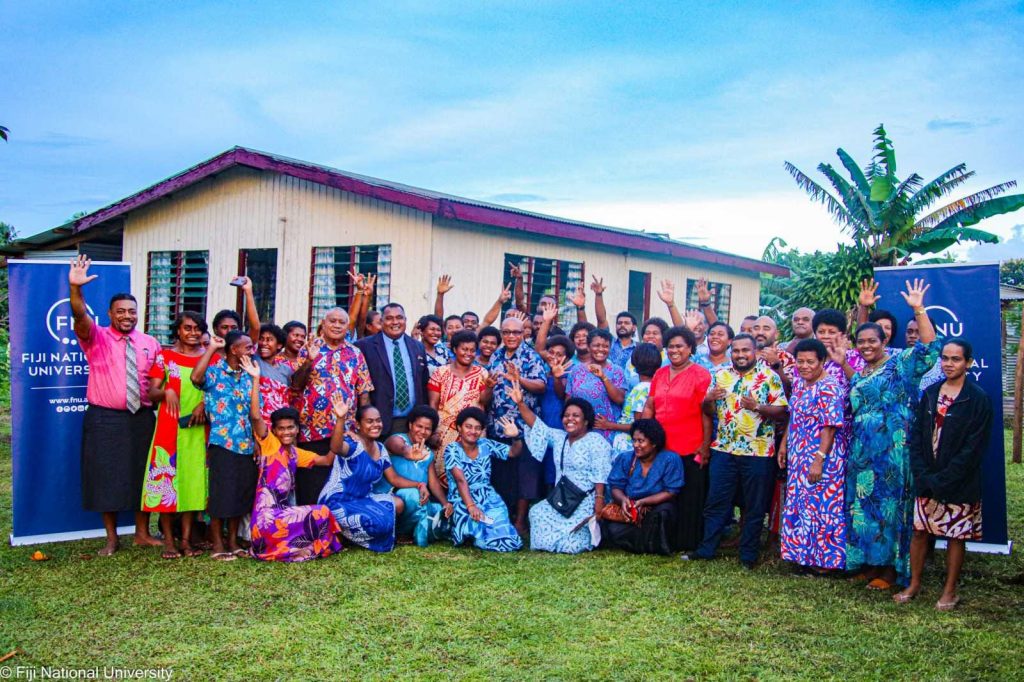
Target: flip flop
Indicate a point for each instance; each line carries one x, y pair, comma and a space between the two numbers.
192, 552
223, 556
947, 605
171, 555
880, 584
241, 552
901, 598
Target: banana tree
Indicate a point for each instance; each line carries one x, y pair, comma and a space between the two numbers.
895, 220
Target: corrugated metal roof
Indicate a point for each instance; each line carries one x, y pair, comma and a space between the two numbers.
430, 201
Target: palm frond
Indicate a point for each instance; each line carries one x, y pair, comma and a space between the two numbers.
3, 133
937, 217
820, 194
940, 186
855, 172
854, 202
941, 238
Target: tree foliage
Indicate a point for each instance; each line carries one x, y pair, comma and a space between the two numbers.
1012, 272
895, 220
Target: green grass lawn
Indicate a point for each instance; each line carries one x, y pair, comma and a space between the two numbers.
443, 612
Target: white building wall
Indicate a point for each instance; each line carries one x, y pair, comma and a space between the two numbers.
245, 208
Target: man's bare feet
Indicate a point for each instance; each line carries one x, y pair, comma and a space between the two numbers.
109, 548
146, 540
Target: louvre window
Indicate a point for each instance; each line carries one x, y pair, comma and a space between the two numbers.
721, 295
176, 281
259, 265
330, 285
547, 277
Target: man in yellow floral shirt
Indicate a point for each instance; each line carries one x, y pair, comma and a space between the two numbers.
748, 399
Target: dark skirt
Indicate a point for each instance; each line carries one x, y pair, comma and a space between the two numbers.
232, 483
653, 536
115, 447
690, 506
517, 478
309, 481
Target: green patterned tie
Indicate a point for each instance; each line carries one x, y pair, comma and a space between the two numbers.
401, 381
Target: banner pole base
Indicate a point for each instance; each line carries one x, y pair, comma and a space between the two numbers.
66, 537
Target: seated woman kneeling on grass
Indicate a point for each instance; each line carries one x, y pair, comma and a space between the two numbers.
366, 518
281, 532
479, 512
413, 460
644, 483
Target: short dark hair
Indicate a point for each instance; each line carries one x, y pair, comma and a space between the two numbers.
585, 407
646, 359
749, 317
879, 314
427, 319
626, 313
450, 318
363, 409
745, 337
811, 346
871, 326
831, 317
688, 337
391, 305
471, 413
728, 330
488, 331
579, 326
427, 411
294, 324
122, 296
661, 324
223, 315
654, 431
372, 315
232, 337
468, 313
463, 336
599, 334
964, 344
180, 320
275, 330
283, 414
563, 342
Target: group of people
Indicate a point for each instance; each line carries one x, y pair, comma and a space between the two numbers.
283, 444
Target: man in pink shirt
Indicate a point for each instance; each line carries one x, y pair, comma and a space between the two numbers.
119, 423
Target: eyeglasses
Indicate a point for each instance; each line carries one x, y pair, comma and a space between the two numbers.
509, 332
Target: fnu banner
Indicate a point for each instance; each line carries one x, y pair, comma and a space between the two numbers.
48, 380
963, 300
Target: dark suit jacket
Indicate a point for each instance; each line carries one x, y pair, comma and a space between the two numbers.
376, 350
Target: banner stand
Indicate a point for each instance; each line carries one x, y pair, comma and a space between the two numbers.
49, 374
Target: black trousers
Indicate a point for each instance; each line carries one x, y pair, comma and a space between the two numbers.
309, 481
690, 506
653, 536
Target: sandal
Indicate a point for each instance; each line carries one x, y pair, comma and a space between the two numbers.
223, 556
241, 552
947, 605
171, 554
192, 552
880, 584
903, 598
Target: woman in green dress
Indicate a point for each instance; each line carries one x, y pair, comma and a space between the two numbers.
175, 481
879, 495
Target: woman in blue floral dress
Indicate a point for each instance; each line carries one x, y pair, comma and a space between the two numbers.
478, 512
581, 455
366, 518
879, 494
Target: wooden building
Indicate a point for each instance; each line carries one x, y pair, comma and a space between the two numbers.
297, 228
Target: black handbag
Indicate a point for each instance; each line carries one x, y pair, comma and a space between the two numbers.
566, 496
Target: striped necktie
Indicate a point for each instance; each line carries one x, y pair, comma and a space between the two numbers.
131, 368
401, 380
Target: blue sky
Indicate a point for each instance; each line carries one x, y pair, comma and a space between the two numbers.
672, 117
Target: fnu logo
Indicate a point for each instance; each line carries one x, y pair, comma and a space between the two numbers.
945, 320
60, 322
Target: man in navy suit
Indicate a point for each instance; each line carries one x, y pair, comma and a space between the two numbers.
398, 368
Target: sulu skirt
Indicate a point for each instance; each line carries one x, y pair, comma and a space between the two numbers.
115, 447
232, 483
